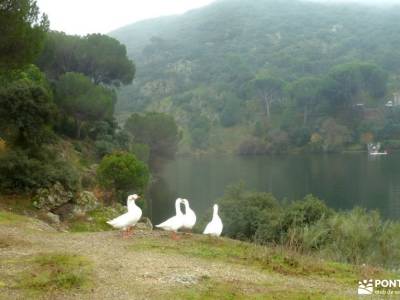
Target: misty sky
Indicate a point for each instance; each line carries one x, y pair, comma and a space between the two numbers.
101, 16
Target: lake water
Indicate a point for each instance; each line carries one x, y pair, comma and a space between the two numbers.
342, 180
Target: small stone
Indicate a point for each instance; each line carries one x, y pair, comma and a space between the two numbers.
52, 218
144, 224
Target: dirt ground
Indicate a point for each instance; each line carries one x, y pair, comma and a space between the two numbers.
120, 273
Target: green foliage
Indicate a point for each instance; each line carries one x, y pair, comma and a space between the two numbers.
21, 172
26, 109
351, 83
230, 114
268, 88
123, 172
306, 92
255, 209
311, 63
11, 218
304, 213
309, 226
199, 128
99, 57
22, 31
78, 97
156, 130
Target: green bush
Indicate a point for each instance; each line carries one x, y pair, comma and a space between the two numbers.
353, 235
123, 172
304, 213
24, 173
309, 226
104, 147
245, 212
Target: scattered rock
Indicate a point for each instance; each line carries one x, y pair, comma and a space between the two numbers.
185, 279
65, 211
51, 198
52, 218
86, 202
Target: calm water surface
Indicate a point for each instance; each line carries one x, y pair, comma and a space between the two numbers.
342, 180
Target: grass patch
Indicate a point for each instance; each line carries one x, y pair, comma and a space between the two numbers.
52, 272
271, 259
95, 220
10, 218
209, 289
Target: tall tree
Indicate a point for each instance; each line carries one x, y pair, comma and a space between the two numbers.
348, 84
157, 130
306, 92
22, 31
79, 97
26, 109
268, 87
99, 57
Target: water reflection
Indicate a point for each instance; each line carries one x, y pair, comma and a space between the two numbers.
343, 181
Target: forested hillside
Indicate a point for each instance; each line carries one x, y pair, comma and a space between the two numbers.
57, 126
269, 76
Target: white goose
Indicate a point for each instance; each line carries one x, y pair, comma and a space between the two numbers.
129, 218
189, 219
214, 228
175, 223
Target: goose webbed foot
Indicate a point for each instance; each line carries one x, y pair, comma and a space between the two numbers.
174, 236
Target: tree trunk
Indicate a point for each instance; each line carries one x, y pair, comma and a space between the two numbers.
267, 106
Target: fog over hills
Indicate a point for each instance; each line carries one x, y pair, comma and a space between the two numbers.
200, 66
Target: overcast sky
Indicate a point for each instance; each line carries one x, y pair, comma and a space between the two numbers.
102, 16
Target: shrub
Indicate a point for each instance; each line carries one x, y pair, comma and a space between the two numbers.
21, 172
104, 147
309, 226
123, 172
244, 212
305, 212
353, 235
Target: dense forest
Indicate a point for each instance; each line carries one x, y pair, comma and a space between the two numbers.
264, 76
57, 99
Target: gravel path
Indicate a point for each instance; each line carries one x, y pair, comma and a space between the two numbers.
121, 273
